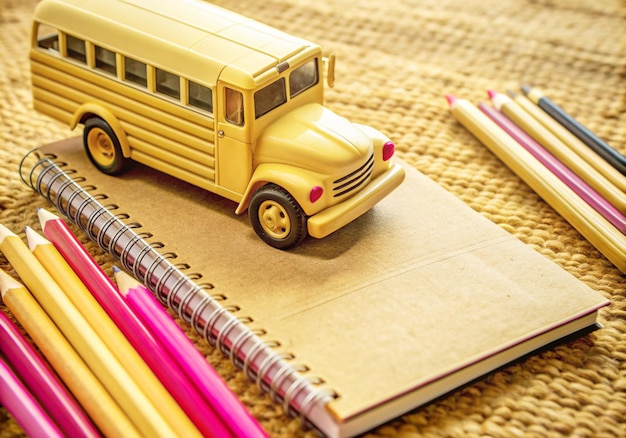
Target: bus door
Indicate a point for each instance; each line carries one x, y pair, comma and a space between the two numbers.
234, 157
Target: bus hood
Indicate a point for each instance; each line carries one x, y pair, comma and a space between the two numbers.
315, 138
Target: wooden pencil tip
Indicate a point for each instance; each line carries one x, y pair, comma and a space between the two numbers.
8, 283
491, 94
124, 281
451, 99
34, 239
526, 89
512, 94
45, 216
5, 232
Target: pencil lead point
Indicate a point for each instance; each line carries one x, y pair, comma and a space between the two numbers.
525, 89
34, 239
512, 94
451, 99
491, 94
116, 269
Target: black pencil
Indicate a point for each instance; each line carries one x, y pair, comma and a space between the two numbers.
611, 155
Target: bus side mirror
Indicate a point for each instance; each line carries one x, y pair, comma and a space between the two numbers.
330, 69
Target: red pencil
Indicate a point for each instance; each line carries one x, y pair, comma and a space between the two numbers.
184, 353
105, 292
42, 382
22, 405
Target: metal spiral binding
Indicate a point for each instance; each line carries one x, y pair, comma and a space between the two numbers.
198, 310
223, 335
32, 155
267, 363
63, 187
192, 302
110, 246
136, 268
211, 323
48, 193
240, 339
280, 375
102, 236
277, 382
70, 199
312, 399
174, 291
300, 383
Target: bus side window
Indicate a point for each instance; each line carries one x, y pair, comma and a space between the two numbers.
76, 49
47, 37
200, 96
135, 71
167, 83
234, 106
105, 60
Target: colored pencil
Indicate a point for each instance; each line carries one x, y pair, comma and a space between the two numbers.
571, 141
74, 288
86, 388
185, 354
24, 407
597, 230
83, 338
105, 292
611, 155
42, 382
579, 187
556, 147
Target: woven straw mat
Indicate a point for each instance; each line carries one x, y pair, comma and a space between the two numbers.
397, 59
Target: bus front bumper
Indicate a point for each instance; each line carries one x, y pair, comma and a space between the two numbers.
330, 220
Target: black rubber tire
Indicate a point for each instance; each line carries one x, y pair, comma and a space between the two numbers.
103, 147
277, 218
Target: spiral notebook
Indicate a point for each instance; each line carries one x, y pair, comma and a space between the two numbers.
417, 297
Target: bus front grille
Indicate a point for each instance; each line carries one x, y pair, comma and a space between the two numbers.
354, 180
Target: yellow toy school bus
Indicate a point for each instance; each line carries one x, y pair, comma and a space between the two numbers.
215, 99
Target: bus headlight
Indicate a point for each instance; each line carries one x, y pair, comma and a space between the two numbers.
388, 150
316, 193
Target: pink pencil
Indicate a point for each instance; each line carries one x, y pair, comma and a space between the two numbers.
42, 382
22, 405
184, 353
152, 352
578, 186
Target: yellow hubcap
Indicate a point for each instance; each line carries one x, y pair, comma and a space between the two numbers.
274, 219
101, 146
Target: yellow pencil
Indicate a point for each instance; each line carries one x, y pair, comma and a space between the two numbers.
563, 153
83, 338
54, 263
573, 142
86, 388
597, 230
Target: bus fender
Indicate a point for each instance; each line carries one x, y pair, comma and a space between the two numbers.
88, 110
295, 181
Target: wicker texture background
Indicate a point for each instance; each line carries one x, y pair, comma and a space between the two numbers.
396, 61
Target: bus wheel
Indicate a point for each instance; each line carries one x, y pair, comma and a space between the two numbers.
276, 217
102, 146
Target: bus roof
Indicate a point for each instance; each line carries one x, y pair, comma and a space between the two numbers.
188, 37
